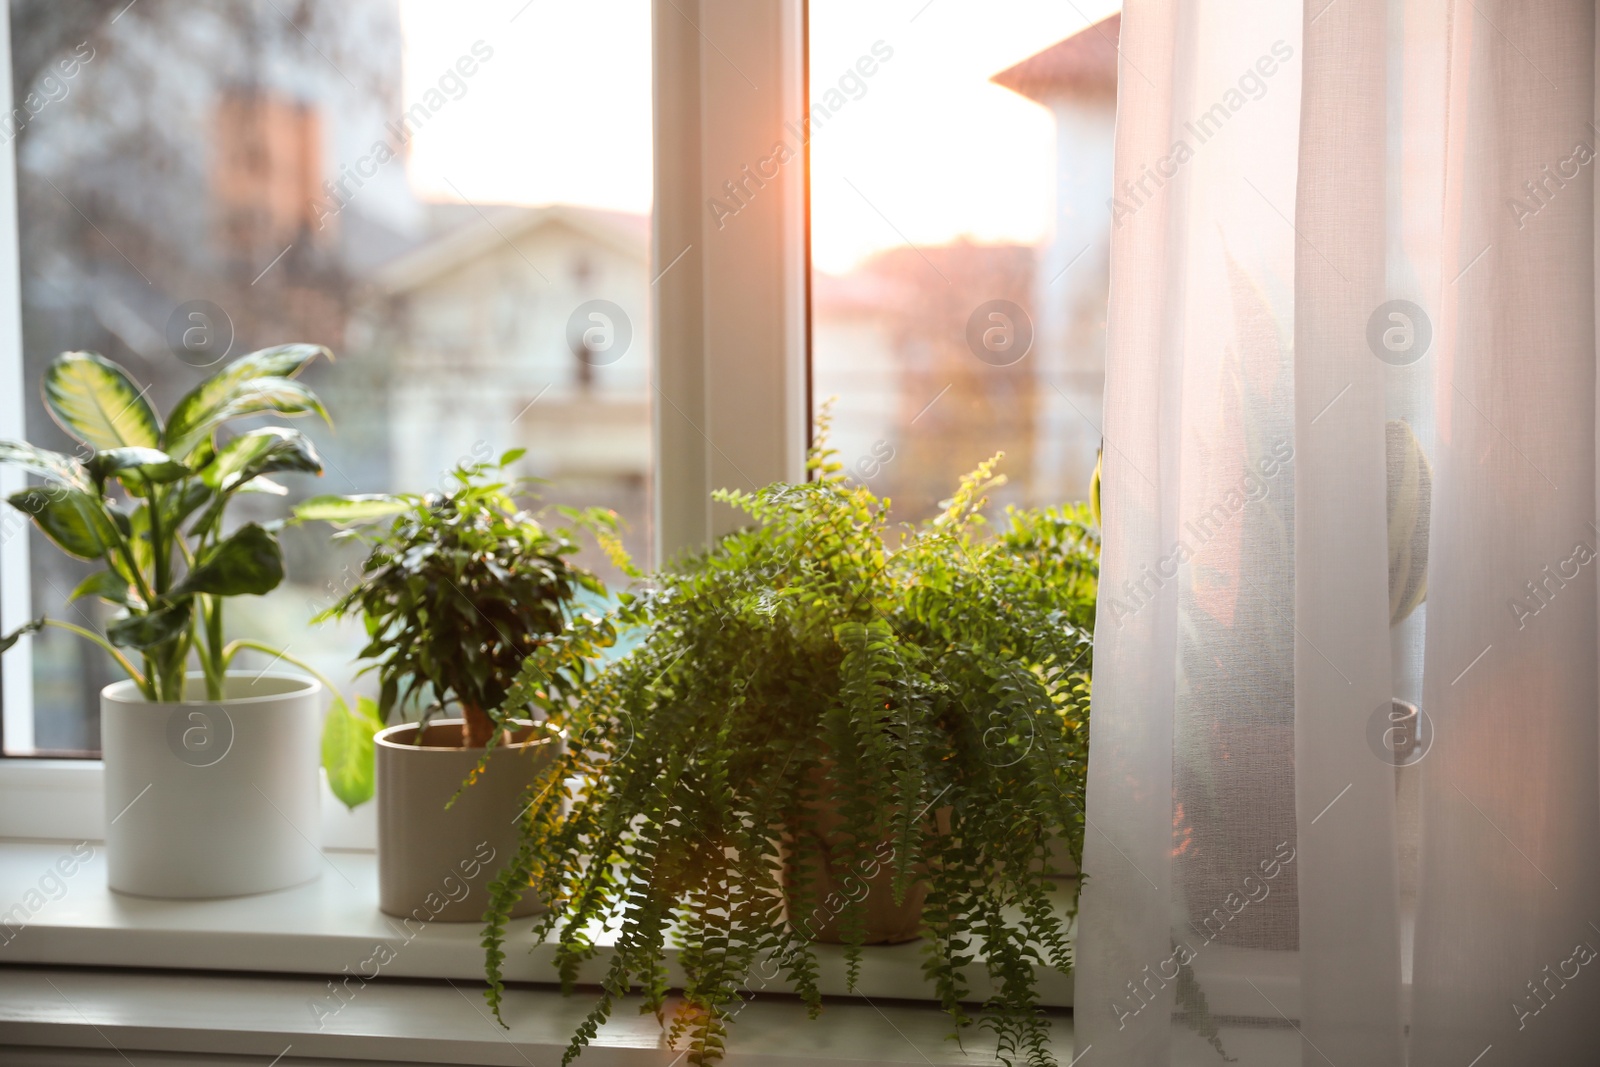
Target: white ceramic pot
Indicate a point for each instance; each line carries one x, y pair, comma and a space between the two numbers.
435, 863
213, 799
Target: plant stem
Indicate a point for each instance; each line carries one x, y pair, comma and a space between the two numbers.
476, 727
148, 680
169, 681
159, 550
122, 661
242, 643
206, 652
213, 653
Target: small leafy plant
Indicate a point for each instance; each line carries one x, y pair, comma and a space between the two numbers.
822, 701
457, 590
146, 496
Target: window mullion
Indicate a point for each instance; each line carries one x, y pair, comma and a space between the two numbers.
729, 258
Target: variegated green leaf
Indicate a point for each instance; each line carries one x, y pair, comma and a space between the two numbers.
41, 461
74, 520
219, 397
272, 448
1094, 487
247, 561
179, 505
97, 402
145, 631
262, 484
147, 464
107, 585
342, 509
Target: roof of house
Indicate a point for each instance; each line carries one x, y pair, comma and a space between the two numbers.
465, 232
1084, 64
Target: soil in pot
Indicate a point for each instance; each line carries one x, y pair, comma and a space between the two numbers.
435, 863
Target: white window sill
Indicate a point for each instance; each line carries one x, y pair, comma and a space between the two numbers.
94, 975
329, 926
259, 1000
55, 1017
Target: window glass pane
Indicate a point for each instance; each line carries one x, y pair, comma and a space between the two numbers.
960, 172
455, 198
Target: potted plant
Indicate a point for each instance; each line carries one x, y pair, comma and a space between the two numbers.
211, 780
1408, 496
824, 722
458, 588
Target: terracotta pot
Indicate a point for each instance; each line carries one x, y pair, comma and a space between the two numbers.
213, 798
435, 863
1062, 865
835, 884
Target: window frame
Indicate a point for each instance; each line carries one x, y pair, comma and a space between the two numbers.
729, 374
732, 331
16, 675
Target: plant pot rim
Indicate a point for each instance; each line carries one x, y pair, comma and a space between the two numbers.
385, 738
127, 691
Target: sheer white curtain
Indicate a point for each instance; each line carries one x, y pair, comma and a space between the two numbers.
1351, 361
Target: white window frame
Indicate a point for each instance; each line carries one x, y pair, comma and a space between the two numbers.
729, 375
16, 674
732, 403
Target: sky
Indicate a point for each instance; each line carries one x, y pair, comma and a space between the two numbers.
926, 150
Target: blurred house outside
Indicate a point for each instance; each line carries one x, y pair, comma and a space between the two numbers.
855, 368
165, 192
917, 407
1076, 79
473, 327
464, 330
257, 194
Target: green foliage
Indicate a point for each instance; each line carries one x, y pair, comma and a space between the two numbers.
125, 498
348, 749
1094, 486
457, 590
927, 685
1409, 497
1190, 1008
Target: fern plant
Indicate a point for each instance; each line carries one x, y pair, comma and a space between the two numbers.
922, 689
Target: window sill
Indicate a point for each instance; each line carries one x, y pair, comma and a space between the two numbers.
65, 995
57, 1016
330, 926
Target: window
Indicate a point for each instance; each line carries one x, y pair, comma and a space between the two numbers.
459, 271
961, 161
452, 198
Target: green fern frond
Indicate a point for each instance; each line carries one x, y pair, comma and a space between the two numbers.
815, 698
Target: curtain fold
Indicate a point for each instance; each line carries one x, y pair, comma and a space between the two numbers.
1350, 470
1509, 850
1349, 961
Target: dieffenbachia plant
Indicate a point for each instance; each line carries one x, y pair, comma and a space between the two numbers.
145, 497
